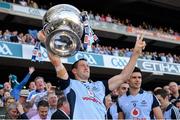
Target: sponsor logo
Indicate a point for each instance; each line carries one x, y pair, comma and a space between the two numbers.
93, 99
135, 112
119, 62
5, 50
160, 67
92, 59
33, 11
89, 58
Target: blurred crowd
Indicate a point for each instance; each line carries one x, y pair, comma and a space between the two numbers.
103, 17
30, 38
15, 36
40, 99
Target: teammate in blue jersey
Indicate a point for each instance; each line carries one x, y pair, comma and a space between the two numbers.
137, 103
86, 98
169, 110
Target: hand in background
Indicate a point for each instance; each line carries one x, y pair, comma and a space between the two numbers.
31, 70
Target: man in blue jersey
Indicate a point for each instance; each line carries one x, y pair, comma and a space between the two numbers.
86, 98
169, 110
137, 103
112, 112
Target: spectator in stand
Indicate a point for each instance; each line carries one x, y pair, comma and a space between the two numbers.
170, 59
52, 100
137, 103
148, 55
7, 87
33, 4
115, 51
128, 52
20, 37
166, 87
97, 17
7, 35
42, 108
12, 112
21, 111
1, 95
103, 18
30, 40
14, 37
176, 58
23, 2
142, 56
6, 95
177, 104
175, 95
163, 57
169, 110
91, 15
108, 18
27, 107
112, 112
18, 87
23, 96
9, 100
40, 88
32, 86
63, 110
81, 91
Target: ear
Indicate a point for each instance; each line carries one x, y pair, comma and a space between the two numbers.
74, 71
128, 81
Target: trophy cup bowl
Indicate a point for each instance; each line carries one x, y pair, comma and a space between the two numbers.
63, 29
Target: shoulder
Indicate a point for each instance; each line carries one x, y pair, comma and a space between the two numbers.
36, 117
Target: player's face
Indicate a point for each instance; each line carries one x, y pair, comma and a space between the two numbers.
83, 70
135, 80
162, 101
123, 88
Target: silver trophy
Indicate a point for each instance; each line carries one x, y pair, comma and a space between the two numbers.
63, 28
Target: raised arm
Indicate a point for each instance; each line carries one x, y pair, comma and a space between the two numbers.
115, 81
55, 60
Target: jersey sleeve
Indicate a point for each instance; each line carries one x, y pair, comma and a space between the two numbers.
118, 107
175, 113
155, 102
107, 91
63, 84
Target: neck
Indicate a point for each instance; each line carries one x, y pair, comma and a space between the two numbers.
134, 91
62, 109
166, 105
176, 94
82, 79
53, 106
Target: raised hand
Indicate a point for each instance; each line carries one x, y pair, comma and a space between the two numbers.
41, 36
31, 70
140, 44
55, 60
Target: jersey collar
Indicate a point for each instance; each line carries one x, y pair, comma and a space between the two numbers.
140, 92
